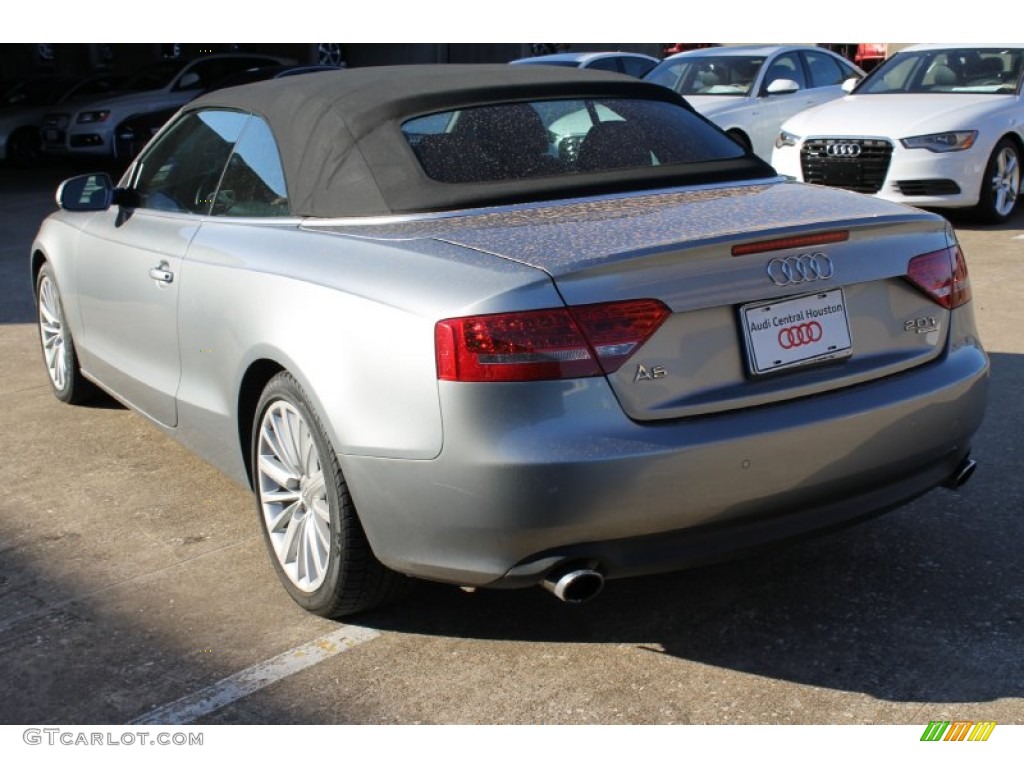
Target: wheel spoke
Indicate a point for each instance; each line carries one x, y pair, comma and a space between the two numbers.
1010, 166
322, 512
316, 484
50, 320
285, 496
277, 443
278, 522
287, 550
1001, 200
60, 374
289, 445
307, 450
322, 526
277, 472
317, 547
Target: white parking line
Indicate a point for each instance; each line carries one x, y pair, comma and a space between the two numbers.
190, 708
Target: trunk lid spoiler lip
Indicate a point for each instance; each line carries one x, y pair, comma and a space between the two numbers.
563, 237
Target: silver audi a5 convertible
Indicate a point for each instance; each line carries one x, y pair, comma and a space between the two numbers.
505, 326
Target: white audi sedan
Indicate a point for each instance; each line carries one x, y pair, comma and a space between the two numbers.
937, 126
749, 91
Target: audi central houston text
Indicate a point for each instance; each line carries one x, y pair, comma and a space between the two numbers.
463, 318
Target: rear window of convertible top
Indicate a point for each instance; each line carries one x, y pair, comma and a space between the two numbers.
503, 142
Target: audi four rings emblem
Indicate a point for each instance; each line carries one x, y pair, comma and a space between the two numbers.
805, 268
843, 150
799, 335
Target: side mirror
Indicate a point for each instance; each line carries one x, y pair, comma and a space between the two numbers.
91, 192
849, 84
189, 82
777, 87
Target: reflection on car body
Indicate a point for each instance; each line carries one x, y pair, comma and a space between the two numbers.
436, 345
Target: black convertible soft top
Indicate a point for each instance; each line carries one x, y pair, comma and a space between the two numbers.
344, 153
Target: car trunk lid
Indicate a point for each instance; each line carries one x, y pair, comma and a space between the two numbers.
776, 291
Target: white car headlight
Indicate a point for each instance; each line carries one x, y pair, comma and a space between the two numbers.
94, 117
786, 139
952, 141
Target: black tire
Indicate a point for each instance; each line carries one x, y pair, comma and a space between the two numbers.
55, 341
740, 138
24, 148
1000, 186
353, 580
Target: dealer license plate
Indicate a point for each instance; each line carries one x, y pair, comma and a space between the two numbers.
795, 332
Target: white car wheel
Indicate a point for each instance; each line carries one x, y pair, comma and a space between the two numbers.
1001, 184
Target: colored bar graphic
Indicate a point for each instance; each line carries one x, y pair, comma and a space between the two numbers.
935, 730
982, 731
958, 730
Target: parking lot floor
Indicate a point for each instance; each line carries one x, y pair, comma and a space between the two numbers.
133, 580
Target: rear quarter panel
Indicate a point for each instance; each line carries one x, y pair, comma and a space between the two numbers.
351, 318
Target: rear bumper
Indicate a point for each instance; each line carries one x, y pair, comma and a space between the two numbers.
532, 476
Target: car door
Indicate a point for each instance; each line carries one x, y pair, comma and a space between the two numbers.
637, 66
775, 108
825, 76
131, 256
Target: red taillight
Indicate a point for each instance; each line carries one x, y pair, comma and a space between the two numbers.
942, 275
545, 344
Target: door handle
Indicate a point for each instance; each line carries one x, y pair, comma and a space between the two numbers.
161, 273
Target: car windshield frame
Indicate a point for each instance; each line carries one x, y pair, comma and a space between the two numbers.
957, 70
693, 75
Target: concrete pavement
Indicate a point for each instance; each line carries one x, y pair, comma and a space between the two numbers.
132, 574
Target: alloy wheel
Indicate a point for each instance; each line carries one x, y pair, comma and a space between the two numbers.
293, 496
1006, 180
52, 332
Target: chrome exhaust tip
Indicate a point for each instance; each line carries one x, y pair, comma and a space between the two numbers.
962, 474
574, 584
